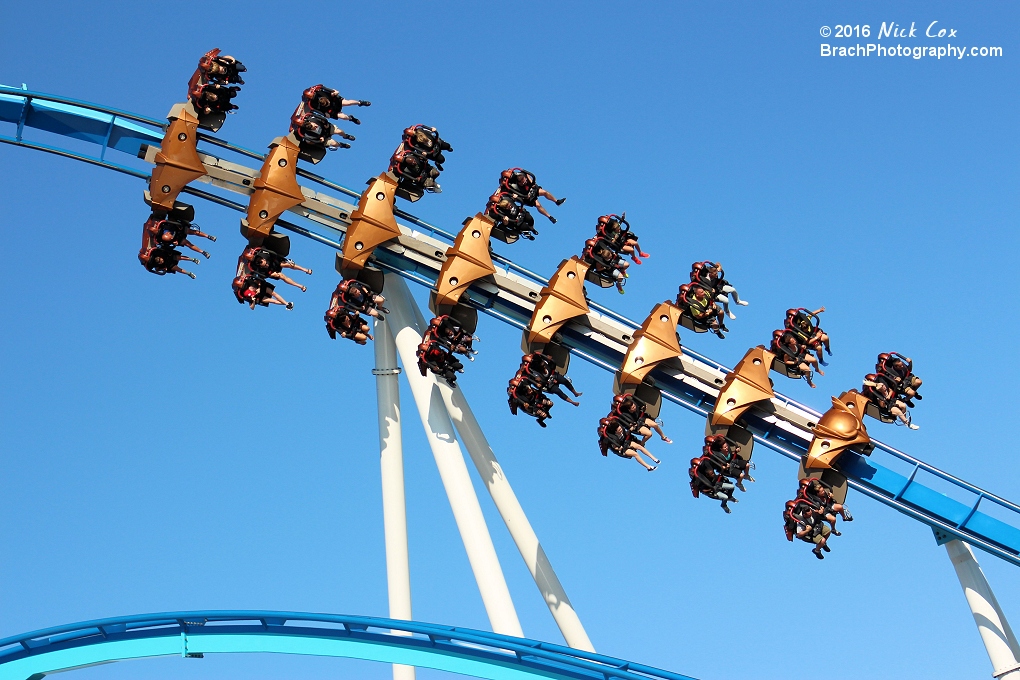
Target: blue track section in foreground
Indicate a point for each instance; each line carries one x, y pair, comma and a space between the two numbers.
192, 634
875, 476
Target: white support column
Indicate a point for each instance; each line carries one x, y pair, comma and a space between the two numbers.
450, 460
516, 521
510, 509
391, 464
998, 638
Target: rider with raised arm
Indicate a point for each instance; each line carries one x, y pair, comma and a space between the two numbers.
794, 355
523, 185
803, 324
898, 369
209, 88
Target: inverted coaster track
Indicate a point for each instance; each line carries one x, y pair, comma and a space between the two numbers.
889, 476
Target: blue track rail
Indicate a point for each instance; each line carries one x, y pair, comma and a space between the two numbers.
194, 634
888, 476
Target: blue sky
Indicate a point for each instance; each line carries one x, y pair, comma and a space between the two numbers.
165, 448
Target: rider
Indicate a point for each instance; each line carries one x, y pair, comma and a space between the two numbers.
616, 437
426, 141
606, 262
221, 69
616, 231
347, 324
802, 323
899, 370
711, 275
357, 296
631, 411
436, 357
172, 233
804, 521
819, 494
726, 460
447, 330
161, 260
524, 394
509, 215
208, 88
329, 102
412, 168
254, 290
540, 369
694, 298
313, 129
268, 264
880, 391
522, 184
794, 355
707, 479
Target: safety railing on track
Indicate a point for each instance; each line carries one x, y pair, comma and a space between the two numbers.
126, 132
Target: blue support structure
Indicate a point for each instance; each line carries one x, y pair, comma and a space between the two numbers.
873, 476
193, 634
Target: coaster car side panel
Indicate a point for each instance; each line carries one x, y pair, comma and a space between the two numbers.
177, 161
560, 301
736, 434
840, 429
836, 480
876, 413
646, 392
784, 369
689, 322
276, 190
654, 343
747, 384
467, 261
372, 223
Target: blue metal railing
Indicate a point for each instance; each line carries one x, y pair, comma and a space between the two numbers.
24, 653
126, 132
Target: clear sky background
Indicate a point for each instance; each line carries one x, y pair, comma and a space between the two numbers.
165, 448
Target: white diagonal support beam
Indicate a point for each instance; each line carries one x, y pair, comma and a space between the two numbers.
505, 499
997, 636
450, 460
